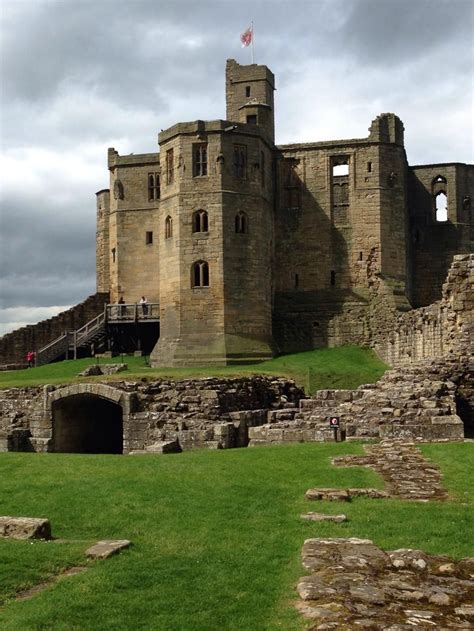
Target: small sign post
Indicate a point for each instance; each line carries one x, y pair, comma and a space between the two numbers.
334, 422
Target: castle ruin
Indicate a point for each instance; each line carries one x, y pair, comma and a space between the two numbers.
246, 249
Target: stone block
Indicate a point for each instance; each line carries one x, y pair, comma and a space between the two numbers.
25, 528
332, 495
324, 517
107, 547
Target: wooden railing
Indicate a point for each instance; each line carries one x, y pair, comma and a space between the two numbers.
53, 350
132, 312
83, 334
113, 314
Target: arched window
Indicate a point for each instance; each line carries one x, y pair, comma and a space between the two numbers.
200, 274
168, 227
241, 223
441, 202
200, 221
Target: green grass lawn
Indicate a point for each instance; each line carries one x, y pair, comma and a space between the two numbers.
216, 534
342, 367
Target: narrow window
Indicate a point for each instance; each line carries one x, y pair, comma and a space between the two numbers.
251, 119
200, 274
247, 91
292, 184
333, 278
151, 187
200, 159
148, 237
297, 281
361, 256
157, 186
240, 161
262, 168
113, 255
441, 201
169, 166
241, 223
369, 167
168, 227
200, 221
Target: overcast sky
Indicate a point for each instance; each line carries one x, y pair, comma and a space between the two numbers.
79, 76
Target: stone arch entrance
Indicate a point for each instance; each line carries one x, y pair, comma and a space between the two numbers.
87, 424
89, 419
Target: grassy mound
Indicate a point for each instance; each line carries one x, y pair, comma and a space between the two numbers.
216, 534
342, 367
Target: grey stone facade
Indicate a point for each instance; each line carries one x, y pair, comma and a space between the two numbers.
329, 229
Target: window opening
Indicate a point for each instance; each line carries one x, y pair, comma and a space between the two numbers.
148, 237
113, 254
297, 281
369, 167
169, 166
200, 274
151, 187
240, 161
361, 256
157, 186
168, 227
292, 184
251, 119
200, 159
241, 223
339, 170
262, 167
441, 201
200, 221
333, 278
247, 91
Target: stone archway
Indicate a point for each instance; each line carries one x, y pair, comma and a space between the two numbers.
88, 424
89, 419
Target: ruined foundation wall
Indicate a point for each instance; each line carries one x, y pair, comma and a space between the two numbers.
443, 328
212, 413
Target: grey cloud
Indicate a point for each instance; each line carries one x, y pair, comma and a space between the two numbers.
80, 75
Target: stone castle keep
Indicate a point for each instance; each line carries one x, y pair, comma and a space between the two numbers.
251, 248
245, 249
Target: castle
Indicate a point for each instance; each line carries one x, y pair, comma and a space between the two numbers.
250, 247
247, 248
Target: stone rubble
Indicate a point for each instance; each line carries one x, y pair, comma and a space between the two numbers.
337, 519
353, 584
343, 495
25, 528
407, 474
107, 547
103, 369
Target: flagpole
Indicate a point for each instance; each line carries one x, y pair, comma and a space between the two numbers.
251, 26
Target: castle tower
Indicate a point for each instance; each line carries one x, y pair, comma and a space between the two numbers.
390, 191
102, 241
249, 96
216, 227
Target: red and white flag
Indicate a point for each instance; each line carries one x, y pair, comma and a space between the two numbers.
247, 37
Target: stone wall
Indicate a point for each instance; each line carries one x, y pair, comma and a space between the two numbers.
445, 327
15, 345
428, 400
213, 413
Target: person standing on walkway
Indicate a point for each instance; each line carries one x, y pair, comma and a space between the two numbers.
144, 304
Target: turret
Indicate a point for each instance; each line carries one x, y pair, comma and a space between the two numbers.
249, 96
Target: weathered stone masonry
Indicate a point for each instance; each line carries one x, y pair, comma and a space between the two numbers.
301, 243
213, 413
